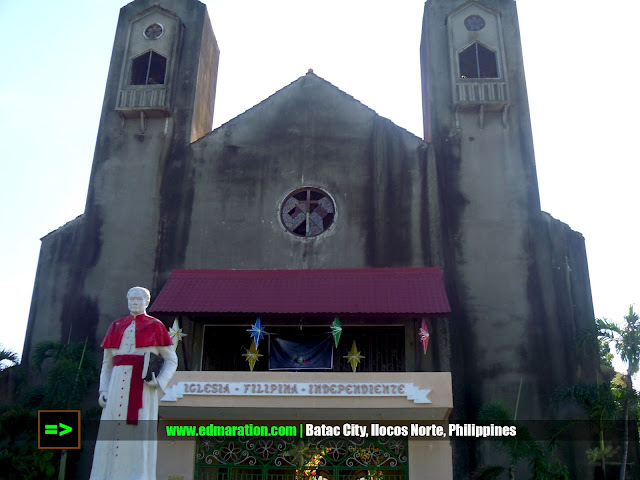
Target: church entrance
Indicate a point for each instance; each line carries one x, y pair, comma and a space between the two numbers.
312, 458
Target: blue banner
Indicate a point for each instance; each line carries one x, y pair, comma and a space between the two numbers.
301, 352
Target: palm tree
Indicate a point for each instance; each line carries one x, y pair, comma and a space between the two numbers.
519, 449
70, 370
626, 339
8, 358
70, 361
600, 405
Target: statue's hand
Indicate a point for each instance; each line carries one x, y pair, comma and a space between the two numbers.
102, 399
154, 381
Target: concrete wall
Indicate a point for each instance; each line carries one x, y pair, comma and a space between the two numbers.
310, 134
172, 464
517, 280
430, 460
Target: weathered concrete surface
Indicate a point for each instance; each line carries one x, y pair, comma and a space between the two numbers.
517, 279
309, 134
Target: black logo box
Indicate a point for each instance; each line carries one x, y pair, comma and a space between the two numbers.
70, 440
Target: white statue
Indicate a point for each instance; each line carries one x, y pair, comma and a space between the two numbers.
129, 402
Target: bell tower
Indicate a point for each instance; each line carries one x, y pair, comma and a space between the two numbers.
158, 100
505, 258
150, 63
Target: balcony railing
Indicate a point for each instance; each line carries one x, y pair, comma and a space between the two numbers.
150, 99
483, 92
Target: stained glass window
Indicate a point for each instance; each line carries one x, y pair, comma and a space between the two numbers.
307, 212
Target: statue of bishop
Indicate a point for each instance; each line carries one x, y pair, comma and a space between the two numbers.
139, 359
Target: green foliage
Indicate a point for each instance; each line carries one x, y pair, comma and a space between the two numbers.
545, 467
606, 357
622, 394
27, 463
70, 372
601, 405
19, 454
626, 338
596, 455
69, 377
618, 383
597, 400
520, 448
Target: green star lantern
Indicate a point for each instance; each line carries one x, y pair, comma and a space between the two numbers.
336, 330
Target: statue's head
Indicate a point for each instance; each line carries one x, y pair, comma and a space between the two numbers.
138, 299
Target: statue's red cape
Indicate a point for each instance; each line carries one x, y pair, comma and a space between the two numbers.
150, 332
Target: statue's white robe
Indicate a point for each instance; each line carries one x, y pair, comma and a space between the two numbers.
123, 451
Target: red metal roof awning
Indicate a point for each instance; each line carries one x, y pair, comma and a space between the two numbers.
330, 291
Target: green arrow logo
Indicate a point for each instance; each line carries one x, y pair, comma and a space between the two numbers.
53, 429
64, 429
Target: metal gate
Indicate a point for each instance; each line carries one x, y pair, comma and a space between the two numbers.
289, 458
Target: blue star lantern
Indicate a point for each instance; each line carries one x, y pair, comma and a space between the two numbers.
257, 332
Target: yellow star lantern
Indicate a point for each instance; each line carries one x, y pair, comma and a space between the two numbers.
354, 357
252, 355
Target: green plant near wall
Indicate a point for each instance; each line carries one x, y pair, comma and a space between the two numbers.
69, 377
29, 464
626, 339
19, 454
519, 449
601, 406
71, 374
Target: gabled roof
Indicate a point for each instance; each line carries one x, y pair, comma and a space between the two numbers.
309, 76
418, 291
475, 3
153, 8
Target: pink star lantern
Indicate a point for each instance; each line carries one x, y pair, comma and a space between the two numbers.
424, 336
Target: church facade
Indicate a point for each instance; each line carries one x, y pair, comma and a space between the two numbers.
308, 208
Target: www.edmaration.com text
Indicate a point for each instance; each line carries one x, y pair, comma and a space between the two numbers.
345, 430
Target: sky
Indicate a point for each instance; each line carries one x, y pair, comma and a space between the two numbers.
580, 61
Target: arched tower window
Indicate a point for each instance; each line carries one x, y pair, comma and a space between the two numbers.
148, 69
477, 61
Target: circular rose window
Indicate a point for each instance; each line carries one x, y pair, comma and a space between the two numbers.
153, 31
307, 212
474, 23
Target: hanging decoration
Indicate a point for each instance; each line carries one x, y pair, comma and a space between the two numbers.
257, 332
252, 355
299, 352
175, 332
354, 357
423, 333
336, 330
